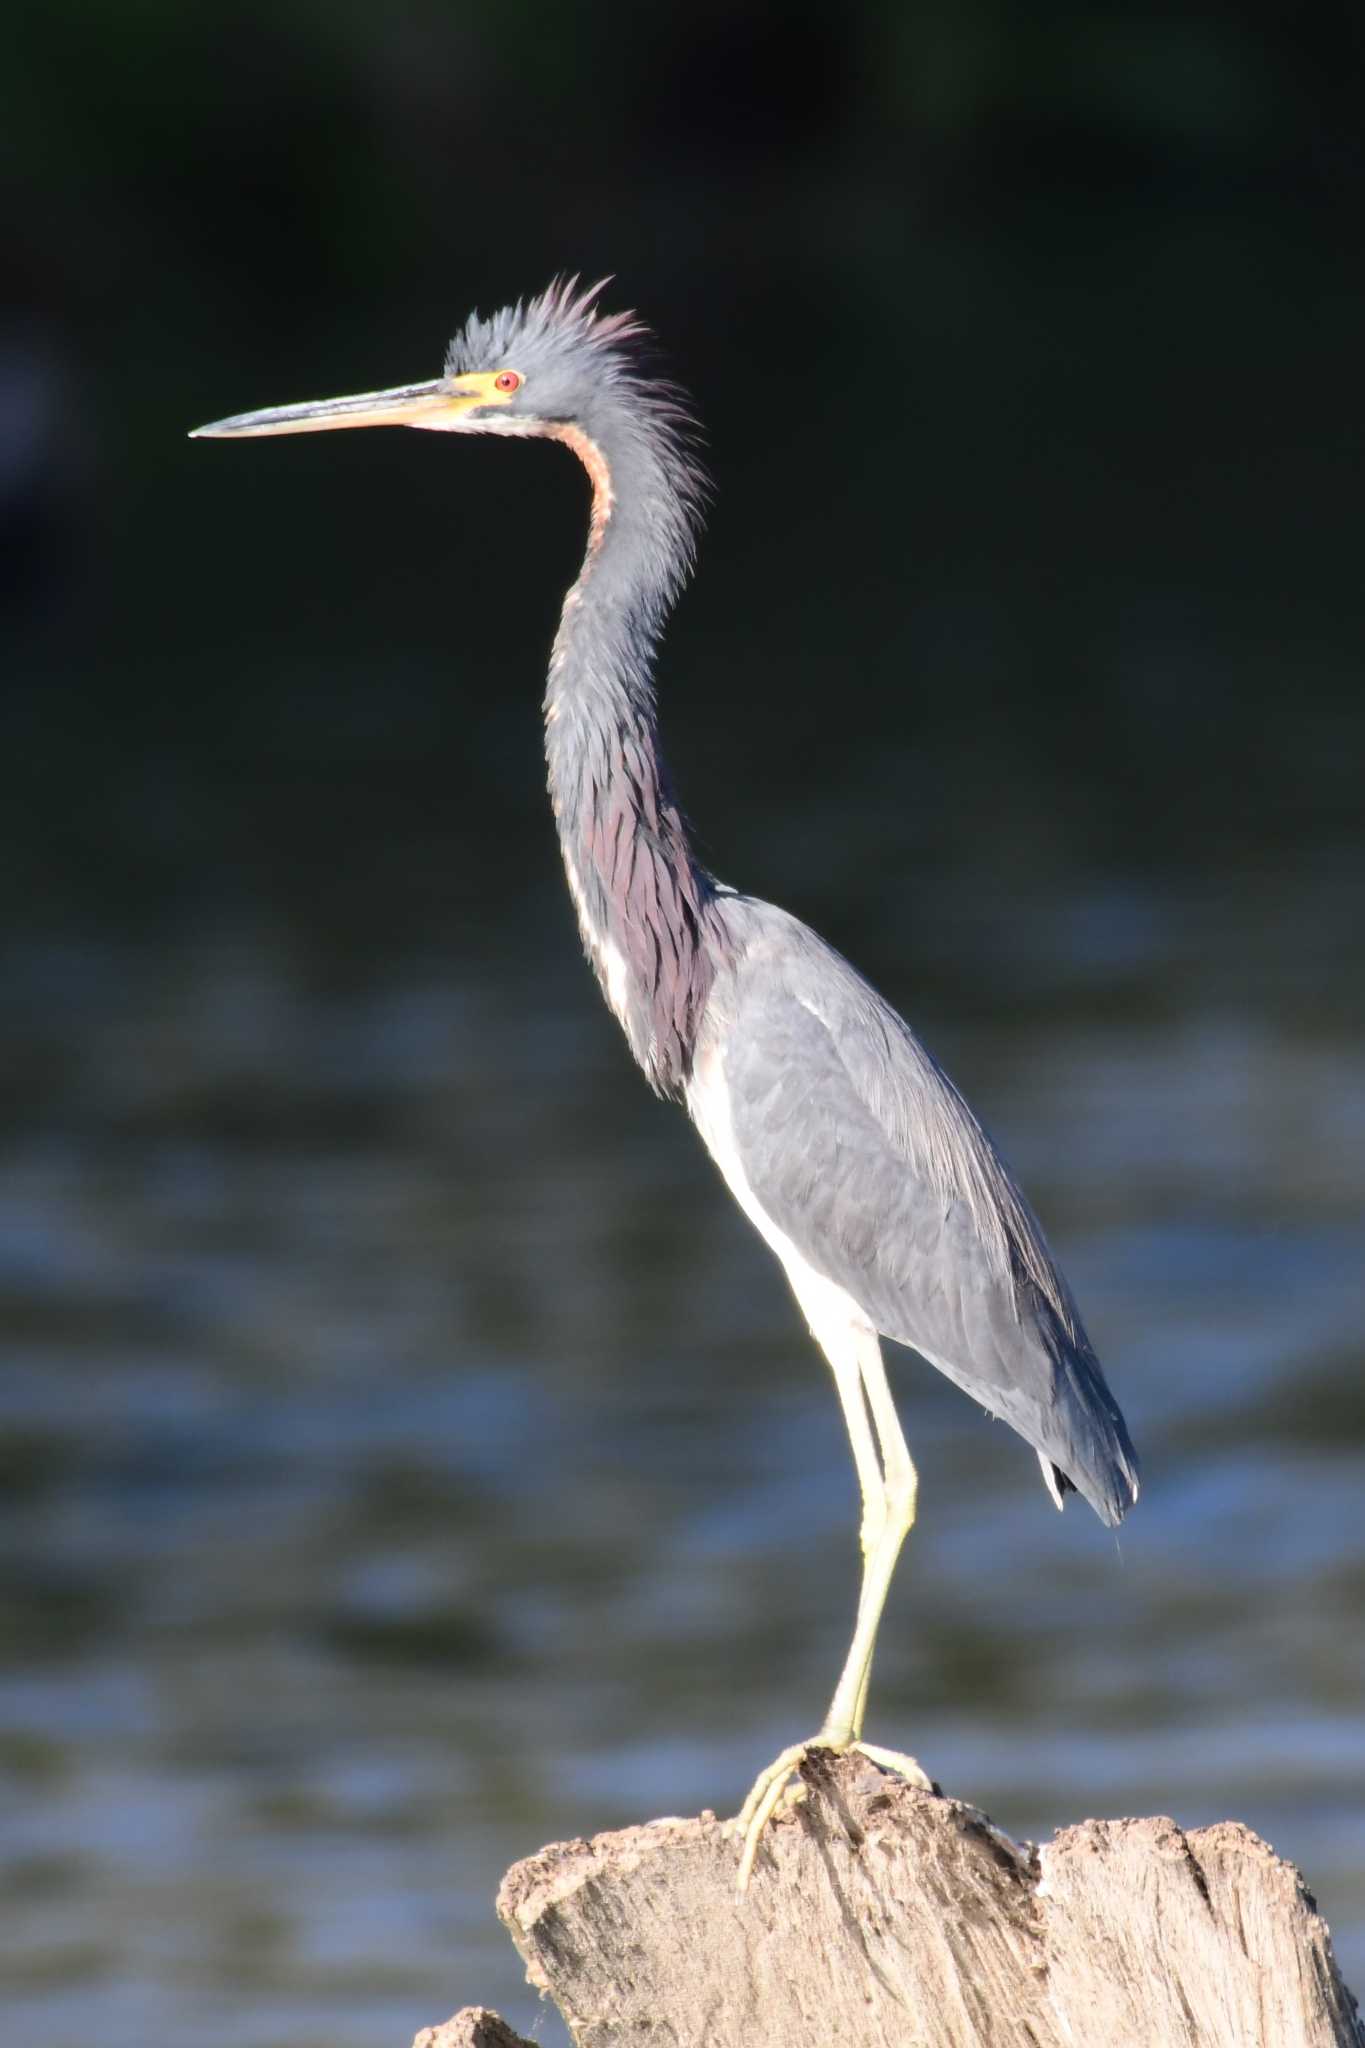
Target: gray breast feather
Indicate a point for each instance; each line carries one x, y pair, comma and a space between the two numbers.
861, 1150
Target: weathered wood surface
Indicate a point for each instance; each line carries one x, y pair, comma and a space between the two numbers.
886, 1917
473, 2026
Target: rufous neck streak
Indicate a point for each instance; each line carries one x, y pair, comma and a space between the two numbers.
642, 899
599, 475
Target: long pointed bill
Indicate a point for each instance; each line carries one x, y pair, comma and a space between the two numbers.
442, 405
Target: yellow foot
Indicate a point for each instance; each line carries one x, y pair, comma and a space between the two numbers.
773, 1789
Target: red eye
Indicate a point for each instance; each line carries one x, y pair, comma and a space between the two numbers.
507, 380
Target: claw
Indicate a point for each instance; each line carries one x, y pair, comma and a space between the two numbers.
773, 1791
763, 1801
896, 1760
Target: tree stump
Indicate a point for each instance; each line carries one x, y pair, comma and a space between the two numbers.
886, 1917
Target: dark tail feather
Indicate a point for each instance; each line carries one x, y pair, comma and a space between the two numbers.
1055, 1480
1104, 1466
1097, 1457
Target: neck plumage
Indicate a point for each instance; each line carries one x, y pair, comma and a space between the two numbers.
642, 899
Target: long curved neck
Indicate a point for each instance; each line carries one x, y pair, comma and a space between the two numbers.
641, 896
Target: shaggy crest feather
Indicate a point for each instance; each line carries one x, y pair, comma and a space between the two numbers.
562, 314
561, 332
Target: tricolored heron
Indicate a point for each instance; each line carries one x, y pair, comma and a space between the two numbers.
842, 1140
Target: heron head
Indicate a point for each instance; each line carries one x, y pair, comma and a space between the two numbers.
533, 368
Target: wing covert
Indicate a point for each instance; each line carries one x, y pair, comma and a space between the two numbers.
863, 1153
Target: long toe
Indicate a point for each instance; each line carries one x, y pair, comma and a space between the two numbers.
767, 1793
779, 1787
897, 1761
773, 1790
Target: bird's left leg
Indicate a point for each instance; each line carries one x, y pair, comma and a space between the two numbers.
842, 1350
852, 1337
902, 1494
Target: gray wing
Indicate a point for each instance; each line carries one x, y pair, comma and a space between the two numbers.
861, 1150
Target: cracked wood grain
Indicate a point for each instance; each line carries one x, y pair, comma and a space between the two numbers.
887, 1917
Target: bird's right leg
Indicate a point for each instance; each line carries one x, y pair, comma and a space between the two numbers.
848, 1379
888, 1486
842, 1352
900, 1489
902, 1496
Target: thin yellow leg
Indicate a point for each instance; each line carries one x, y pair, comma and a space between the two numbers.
843, 1723
845, 1363
900, 1479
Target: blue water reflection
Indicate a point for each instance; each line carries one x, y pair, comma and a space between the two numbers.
411, 1458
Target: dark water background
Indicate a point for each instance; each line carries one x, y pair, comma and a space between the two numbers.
409, 1456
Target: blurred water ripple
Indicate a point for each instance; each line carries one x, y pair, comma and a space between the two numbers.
409, 1457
